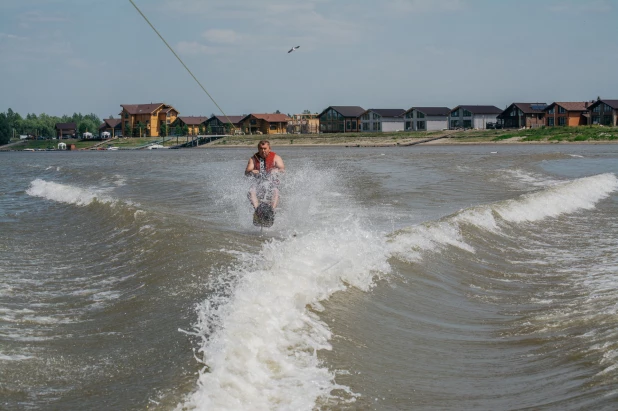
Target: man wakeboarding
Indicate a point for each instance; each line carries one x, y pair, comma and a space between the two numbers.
264, 166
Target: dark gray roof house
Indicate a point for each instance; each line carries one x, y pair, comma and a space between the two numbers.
426, 118
604, 112
340, 119
382, 119
66, 129
523, 115
470, 116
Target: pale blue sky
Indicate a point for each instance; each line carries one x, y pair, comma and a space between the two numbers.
65, 56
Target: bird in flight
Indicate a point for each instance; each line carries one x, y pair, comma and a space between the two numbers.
293, 48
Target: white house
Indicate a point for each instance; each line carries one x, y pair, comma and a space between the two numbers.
87, 135
473, 116
426, 118
382, 119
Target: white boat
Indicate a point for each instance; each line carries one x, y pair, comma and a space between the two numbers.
112, 148
155, 146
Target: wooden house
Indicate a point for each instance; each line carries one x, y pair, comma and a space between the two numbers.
382, 119
305, 123
219, 125
265, 123
523, 115
426, 118
473, 116
146, 119
113, 126
195, 125
570, 114
66, 130
604, 112
340, 119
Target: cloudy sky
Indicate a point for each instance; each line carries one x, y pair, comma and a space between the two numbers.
65, 56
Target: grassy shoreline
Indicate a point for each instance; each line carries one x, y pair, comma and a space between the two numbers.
548, 135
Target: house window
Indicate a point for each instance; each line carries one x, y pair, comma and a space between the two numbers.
561, 110
420, 125
466, 113
550, 121
341, 126
596, 109
596, 119
607, 120
607, 108
365, 126
126, 115
348, 125
420, 115
551, 111
253, 122
410, 114
455, 113
354, 125
467, 123
454, 123
376, 116
273, 126
561, 121
408, 125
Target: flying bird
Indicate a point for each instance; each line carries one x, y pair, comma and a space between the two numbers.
293, 48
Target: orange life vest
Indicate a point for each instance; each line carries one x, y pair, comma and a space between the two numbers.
270, 162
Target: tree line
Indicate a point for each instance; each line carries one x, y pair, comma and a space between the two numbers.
13, 124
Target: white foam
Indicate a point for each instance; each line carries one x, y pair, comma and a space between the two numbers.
15, 357
580, 194
64, 193
263, 354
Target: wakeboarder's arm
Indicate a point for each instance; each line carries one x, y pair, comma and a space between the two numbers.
279, 166
250, 168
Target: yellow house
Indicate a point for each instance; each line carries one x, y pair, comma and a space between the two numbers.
265, 123
146, 120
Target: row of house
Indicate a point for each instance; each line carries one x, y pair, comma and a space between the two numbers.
158, 119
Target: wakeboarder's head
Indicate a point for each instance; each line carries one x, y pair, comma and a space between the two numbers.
263, 148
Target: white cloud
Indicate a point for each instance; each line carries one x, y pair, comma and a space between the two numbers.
221, 36
195, 48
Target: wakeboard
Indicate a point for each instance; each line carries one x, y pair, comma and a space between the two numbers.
264, 215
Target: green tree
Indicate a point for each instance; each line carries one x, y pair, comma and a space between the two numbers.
209, 129
201, 129
141, 127
185, 130
164, 129
177, 130
86, 125
127, 129
5, 130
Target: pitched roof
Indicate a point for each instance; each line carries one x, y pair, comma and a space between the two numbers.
224, 119
531, 108
192, 121
432, 111
480, 109
66, 126
141, 108
271, 118
571, 105
612, 103
346, 111
110, 123
388, 112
